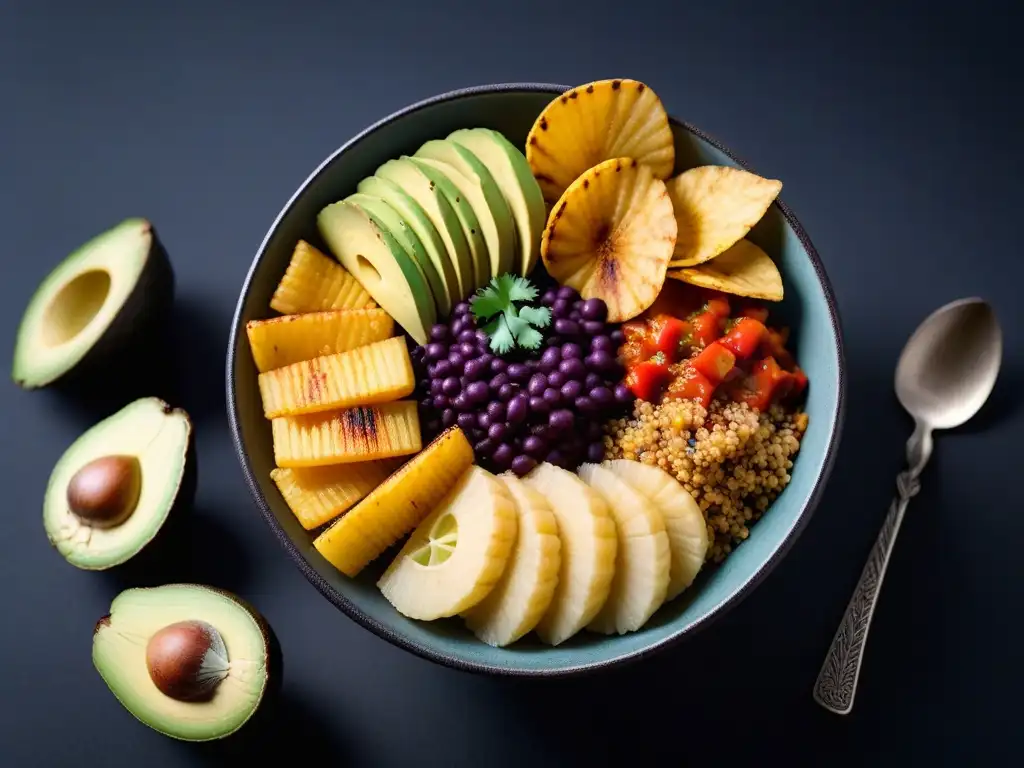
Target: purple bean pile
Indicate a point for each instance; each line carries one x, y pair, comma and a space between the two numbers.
529, 406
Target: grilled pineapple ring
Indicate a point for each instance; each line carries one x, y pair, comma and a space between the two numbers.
611, 236
595, 122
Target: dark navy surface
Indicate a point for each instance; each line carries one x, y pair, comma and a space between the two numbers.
897, 133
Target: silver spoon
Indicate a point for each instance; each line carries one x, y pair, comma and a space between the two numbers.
945, 373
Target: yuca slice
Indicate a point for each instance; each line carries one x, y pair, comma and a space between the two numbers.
340, 437
684, 522
396, 506
375, 373
314, 282
611, 236
457, 554
281, 341
595, 122
716, 205
743, 270
317, 495
589, 542
525, 589
642, 559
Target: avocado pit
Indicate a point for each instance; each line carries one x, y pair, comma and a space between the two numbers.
187, 660
105, 492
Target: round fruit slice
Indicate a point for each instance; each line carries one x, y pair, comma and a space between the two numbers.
589, 542
684, 522
595, 122
611, 237
422, 227
476, 183
393, 222
434, 203
375, 258
642, 559
523, 594
457, 554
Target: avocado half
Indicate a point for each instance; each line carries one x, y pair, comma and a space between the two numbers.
115, 487
190, 661
95, 308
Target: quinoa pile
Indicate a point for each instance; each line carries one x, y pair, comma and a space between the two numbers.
732, 459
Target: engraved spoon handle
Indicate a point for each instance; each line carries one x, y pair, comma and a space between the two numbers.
836, 685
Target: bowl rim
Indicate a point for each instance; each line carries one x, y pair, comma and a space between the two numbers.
427, 652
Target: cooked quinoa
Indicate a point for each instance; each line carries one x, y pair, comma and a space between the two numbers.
732, 459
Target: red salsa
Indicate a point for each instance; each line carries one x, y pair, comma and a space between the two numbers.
699, 343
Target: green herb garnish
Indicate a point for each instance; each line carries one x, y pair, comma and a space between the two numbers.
507, 325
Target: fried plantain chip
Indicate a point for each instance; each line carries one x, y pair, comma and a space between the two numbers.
743, 270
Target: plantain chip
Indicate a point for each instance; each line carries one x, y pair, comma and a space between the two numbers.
716, 205
743, 270
610, 236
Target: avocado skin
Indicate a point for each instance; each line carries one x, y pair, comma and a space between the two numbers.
168, 552
134, 340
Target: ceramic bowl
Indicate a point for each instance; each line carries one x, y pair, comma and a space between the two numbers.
809, 307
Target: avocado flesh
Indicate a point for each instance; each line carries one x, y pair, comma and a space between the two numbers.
476, 183
406, 175
101, 301
119, 655
447, 293
159, 437
464, 212
381, 265
391, 221
512, 173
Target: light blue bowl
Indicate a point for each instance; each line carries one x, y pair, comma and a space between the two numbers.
809, 307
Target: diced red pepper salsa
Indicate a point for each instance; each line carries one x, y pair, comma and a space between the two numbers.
697, 344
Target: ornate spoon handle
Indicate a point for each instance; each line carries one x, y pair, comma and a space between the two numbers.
836, 685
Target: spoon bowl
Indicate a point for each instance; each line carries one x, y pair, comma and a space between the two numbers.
949, 365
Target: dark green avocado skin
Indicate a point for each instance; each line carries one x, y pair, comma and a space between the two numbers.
134, 340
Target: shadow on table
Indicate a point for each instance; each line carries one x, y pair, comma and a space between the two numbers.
287, 724
183, 365
195, 547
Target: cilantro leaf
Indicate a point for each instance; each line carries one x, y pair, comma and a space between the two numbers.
538, 317
486, 304
506, 324
520, 289
501, 338
529, 338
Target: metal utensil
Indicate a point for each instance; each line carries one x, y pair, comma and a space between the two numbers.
945, 373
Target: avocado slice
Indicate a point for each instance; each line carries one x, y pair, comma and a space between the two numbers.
367, 250
95, 308
466, 215
512, 173
411, 179
477, 184
115, 487
190, 661
423, 228
391, 221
